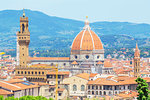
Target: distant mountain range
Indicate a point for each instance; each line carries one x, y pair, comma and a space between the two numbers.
50, 32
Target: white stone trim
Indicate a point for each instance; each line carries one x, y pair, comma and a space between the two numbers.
92, 39
82, 39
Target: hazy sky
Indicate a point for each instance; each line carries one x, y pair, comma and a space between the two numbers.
98, 10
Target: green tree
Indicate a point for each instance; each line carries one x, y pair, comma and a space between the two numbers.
142, 89
1, 97
11, 98
26, 98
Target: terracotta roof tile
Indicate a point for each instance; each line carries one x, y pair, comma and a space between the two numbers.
49, 58
4, 92
60, 72
74, 63
93, 74
84, 76
87, 40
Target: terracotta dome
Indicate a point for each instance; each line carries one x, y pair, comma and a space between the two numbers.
87, 40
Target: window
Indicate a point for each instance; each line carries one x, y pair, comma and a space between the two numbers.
89, 92
59, 76
19, 37
35, 72
104, 93
93, 92
96, 92
100, 87
23, 27
39, 72
18, 72
32, 72
75, 56
74, 87
58, 82
89, 87
66, 87
92, 86
87, 56
28, 72
97, 57
96, 87
82, 87
42, 72
64, 64
21, 72
25, 72
100, 93
59, 94
23, 54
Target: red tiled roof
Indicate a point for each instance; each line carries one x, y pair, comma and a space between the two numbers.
4, 92
74, 63
93, 74
60, 72
49, 58
84, 76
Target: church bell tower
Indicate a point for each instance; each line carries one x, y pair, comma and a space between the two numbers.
137, 62
23, 40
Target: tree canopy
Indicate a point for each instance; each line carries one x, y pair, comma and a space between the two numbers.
142, 89
25, 98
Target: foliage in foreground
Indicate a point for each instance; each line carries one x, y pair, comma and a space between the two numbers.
142, 89
26, 98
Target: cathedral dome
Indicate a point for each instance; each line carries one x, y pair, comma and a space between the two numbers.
87, 40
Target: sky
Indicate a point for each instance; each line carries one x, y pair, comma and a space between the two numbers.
137, 11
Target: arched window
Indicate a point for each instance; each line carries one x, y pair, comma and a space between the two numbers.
74, 87
23, 27
100, 93
104, 93
82, 87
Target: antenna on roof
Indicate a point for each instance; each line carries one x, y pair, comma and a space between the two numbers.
23, 13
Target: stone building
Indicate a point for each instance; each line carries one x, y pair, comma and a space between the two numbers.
77, 85
19, 88
101, 87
